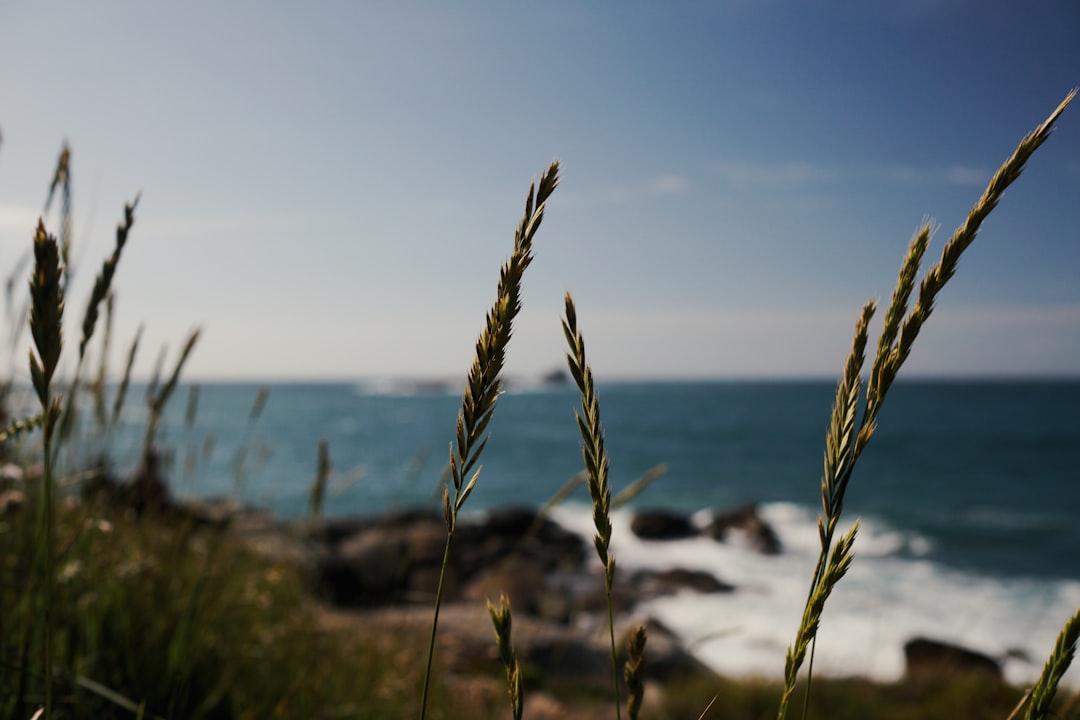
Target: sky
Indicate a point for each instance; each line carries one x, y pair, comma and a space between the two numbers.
328, 189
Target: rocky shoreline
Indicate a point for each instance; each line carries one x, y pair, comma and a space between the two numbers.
386, 569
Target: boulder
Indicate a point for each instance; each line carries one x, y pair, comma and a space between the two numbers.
484, 542
648, 583
928, 659
393, 560
661, 525
397, 557
745, 522
665, 657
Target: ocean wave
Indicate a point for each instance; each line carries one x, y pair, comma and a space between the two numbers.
893, 593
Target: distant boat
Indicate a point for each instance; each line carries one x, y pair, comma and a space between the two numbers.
558, 376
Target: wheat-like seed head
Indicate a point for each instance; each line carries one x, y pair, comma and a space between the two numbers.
838, 564
46, 312
843, 443
965, 234
840, 440
103, 282
1042, 693
592, 435
502, 621
881, 376
484, 382
634, 671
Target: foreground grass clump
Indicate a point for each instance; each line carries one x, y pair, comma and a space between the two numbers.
167, 617
956, 698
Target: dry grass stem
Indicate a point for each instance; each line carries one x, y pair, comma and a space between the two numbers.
158, 398
103, 281
46, 320
1043, 691
849, 433
98, 388
125, 381
634, 671
596, 464
484, 384
637, 487
322, 476
502, 621
62, 180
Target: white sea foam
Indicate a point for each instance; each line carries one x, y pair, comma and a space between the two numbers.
892, 594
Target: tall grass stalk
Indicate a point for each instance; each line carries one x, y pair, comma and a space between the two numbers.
322, 476
502, 621
46, 320
158, 398
100, 292
1042, 692
485, 383
631, 491
849, 433
62, 179
596, 464
246, 445
125, 381
634, 671
98, 388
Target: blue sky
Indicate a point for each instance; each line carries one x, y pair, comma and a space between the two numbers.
328, 189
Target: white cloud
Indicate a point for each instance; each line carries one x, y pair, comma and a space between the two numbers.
773, 175
665, 185
961, 175
801, 175
669, 185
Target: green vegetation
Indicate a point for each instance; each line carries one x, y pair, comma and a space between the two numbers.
115, 604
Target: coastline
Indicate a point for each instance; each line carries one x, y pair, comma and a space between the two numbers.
386, 565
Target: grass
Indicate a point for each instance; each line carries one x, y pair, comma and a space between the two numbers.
115, 609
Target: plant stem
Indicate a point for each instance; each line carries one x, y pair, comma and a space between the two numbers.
435, 624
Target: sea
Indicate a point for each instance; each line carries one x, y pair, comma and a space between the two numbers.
968, 495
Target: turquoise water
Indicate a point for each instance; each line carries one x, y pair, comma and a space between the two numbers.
987, 472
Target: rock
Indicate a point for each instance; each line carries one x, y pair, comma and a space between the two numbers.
485, 542
927, 659
648, 584
661, 525
525, 583
665, 658
745, 521
396, 559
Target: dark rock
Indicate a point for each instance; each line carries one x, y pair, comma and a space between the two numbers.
516, 532
398, 557
389, 561
927, 659
661, 525
526, 584
648, 584
745, 521
665, 658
